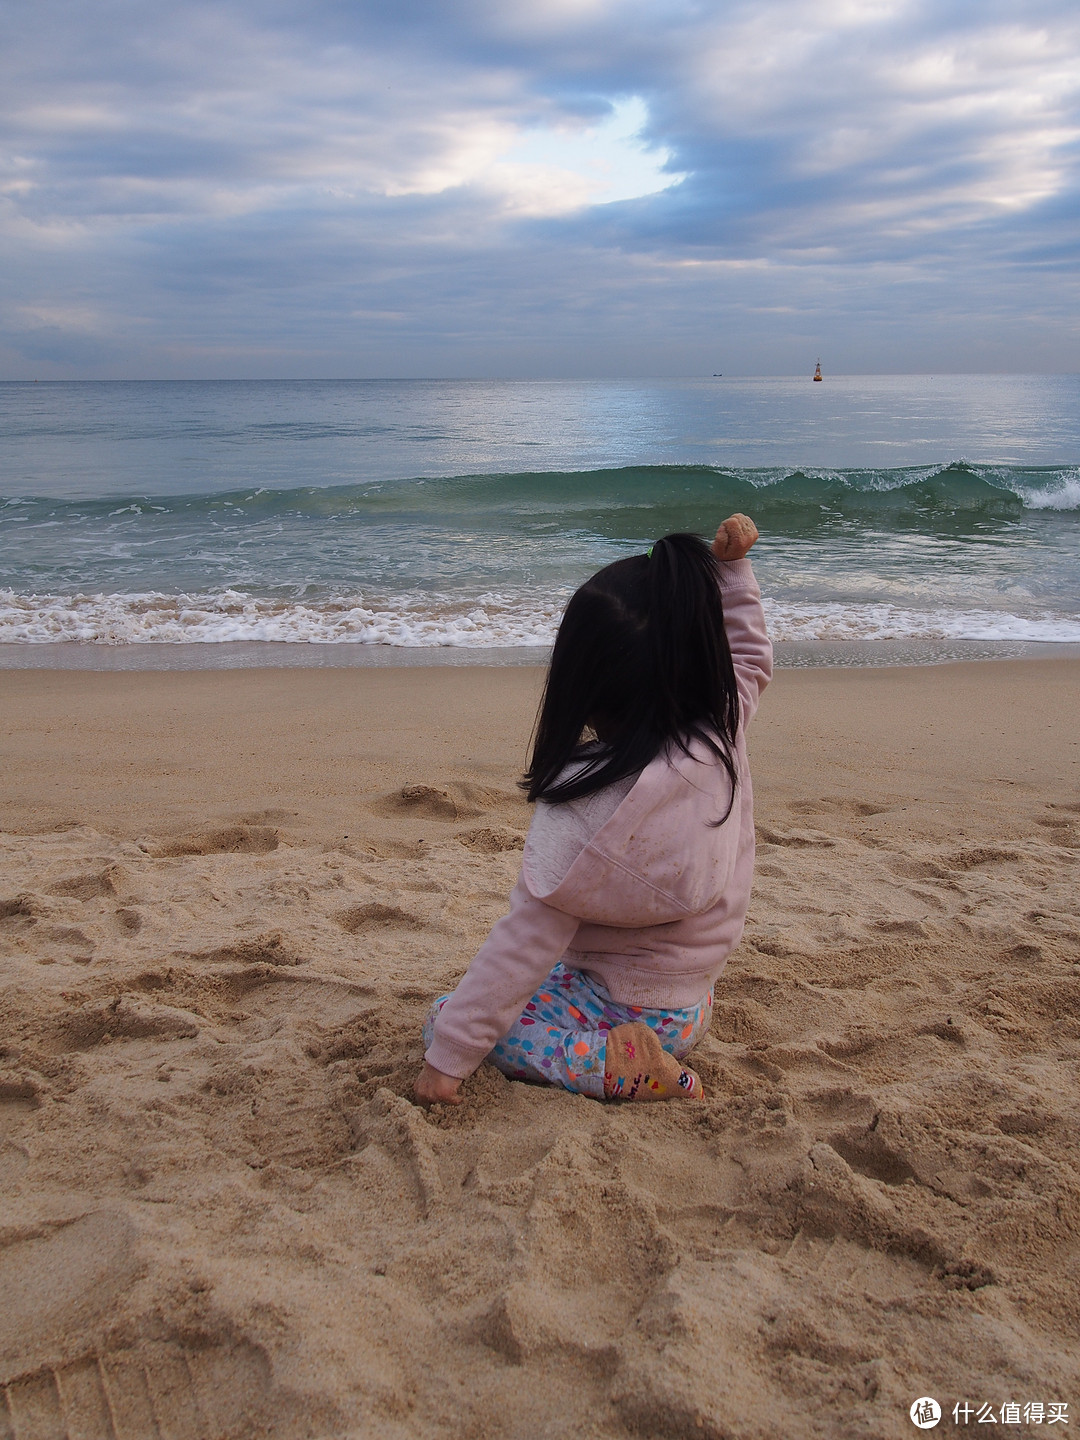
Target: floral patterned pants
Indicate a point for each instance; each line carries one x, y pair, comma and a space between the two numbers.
561, 1035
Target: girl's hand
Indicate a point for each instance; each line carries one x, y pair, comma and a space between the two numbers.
734, 538
434, 1088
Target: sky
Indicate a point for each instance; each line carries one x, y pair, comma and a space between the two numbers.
551, 188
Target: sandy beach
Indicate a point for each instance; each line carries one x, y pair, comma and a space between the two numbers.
226, 900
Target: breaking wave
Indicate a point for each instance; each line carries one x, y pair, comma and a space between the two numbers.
802, 495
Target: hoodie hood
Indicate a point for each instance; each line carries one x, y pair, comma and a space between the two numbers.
661, 856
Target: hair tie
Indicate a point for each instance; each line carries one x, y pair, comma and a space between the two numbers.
648, 553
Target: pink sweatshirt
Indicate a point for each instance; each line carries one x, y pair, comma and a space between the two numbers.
633, 884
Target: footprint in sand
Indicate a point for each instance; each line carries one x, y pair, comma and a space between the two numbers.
866, 1152
273, 948
122, 1019
221, 840
456, 800
24, 907
64, 1284
59, 1278
374, 916
18, 1102
73, 943
161, 1391
19, 1093
88, 887
605, 1239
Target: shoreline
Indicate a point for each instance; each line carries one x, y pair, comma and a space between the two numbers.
271, 654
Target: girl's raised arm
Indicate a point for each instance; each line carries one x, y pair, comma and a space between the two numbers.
744, 619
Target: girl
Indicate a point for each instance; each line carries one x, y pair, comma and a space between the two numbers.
636, 875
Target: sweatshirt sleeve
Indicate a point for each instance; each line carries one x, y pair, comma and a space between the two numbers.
512, 962
744, 622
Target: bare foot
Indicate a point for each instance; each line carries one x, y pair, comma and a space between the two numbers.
637, 1067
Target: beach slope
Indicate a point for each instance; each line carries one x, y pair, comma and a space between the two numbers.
226, 900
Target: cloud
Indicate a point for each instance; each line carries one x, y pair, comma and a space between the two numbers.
463, 187
549, 169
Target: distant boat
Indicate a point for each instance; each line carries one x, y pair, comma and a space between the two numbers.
817, 371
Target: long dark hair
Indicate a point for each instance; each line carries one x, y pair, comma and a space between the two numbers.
642, 659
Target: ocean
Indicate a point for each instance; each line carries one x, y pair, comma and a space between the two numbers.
234, 522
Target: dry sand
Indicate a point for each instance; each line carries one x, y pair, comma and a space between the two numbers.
226, 900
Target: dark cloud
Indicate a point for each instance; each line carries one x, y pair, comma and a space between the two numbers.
265, 189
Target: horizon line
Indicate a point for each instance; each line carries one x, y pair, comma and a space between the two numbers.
523, 379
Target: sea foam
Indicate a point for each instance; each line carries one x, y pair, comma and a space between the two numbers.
489, 620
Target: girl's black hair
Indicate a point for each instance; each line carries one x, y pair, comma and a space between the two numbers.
641, 659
